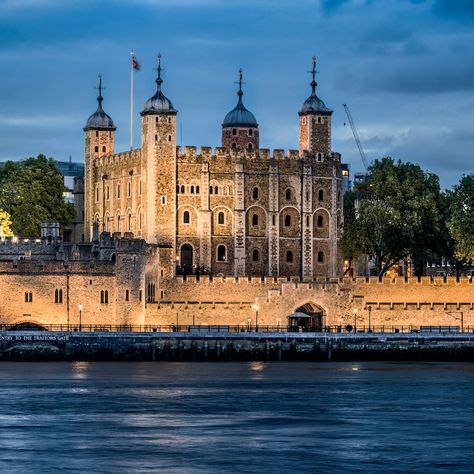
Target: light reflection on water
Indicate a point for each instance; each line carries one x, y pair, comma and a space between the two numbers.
236, 417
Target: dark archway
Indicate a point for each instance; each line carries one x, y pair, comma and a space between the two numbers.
186, 259
306, 318
27, 327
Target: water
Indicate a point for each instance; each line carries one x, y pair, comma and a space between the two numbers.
236, 417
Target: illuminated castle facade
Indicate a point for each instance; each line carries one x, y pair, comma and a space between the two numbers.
239, 210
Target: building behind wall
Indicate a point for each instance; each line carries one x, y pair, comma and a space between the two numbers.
237, 210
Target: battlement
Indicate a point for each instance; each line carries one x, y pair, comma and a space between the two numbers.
206, 153
130, 156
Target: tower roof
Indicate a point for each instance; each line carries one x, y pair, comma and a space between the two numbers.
99, 120
239, 116
313, 104
159, 103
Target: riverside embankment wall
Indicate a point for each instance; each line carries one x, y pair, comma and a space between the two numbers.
234, 347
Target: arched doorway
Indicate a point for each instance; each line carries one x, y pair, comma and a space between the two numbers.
27, 326
186, 259
306, 318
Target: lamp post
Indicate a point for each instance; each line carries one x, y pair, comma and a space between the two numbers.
80, 316
249, 324
370, 310
256, 308
355, 320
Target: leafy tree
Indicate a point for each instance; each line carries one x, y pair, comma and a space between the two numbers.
397, 213
31, 191
461, 222
5, 225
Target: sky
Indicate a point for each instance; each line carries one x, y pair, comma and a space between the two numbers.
404, 67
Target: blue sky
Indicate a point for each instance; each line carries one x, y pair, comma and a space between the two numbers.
405, 68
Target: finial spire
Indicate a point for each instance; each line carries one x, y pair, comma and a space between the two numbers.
313, 72
99, 97
240, 92
159, 81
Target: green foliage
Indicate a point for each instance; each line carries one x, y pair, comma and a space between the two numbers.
5, 225
461, 222
31, 191
396, 212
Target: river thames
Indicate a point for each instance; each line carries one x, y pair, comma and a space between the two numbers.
137, 417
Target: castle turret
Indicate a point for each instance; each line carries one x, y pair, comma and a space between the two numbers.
159, 148
315, 123
240, 128
99, 138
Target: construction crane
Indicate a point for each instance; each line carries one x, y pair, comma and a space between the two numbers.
356, 136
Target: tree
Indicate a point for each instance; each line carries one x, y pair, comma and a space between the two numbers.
31, 191
461, 222
5, 225
396, 215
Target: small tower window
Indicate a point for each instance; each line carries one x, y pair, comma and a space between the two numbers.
307, 221
287, 221
221, 218
58, 296
250, 132
156, 119
169, 119
255, 255
234, 145
127, 295
96, 134
273, 220
320, 257
250, 146
97, 194
118, 222
183, 189
129, 189
234, 131
197, 189
255, 219
211, 189
177, 189
156, 138
255, 193
288, 194
96, 149
216, 190
107, 193
319, 119
169, 138
289, 256
186, 217
320, 221
320, 156
103, 149
163, 200
129, 222
192, 189
221, 253
321, 195
118, 191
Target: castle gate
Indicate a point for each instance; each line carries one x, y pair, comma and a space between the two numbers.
306, 318
186, 259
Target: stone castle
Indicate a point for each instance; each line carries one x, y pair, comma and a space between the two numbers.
240, 211
235, 238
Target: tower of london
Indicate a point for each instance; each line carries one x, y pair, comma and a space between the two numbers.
237, 210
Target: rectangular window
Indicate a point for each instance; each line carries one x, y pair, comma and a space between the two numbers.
127, 295
163, 200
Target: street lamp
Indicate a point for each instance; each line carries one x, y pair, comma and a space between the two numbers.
256, 308
80, 316
249, 324
370, 310
355, 320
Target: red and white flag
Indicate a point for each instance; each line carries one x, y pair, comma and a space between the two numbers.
135, 64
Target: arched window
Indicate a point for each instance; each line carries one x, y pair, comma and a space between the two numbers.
221, 253
320, 221
288, 194
103, 149
197, 189
287, 220
169, 138
186, 217
96, 134
216, 190
118, 190
156, 138
177, 189
255, 219
320, 257
320, 156
106, 297
289, 256
183, 189
250, 146
127, 295
234, 131
321, 195
96, 149
255, 193
60, 296
255, 255
250, 132
129, 222
221, 218
319, 119
192, 190
118, 223
101, 296
211, 189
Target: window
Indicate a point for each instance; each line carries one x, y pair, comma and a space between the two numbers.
140, 295
118, 223
288, 194
221, 218
129, 189
289, 256
169, 119
169, 138
96, 149
58, 296
140, 187
320, 221
129, 225
197, 189
150, 293
321, 195
97, 194
192, 189
107, 193
177, 189
234, 145
28, 297
221, 253
320, 156
103, 149
183, 189
156, 119
320, 257
140, 220
127, 295
287, 221
307, 221
273, 220
255, 255
210, 189
319, 119
104, 297
186, 218
250, 132
255, 193
163, 200
96, 134
234, 131
216, 190
255, 219
156, 138
118, 191
250, 146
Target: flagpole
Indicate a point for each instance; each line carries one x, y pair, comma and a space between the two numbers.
131, 100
